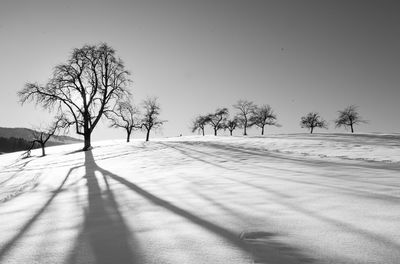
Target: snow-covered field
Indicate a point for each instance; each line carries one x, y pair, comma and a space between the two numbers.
323, 198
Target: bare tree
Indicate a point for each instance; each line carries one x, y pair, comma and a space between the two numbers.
262, 116
246, 108
217, 119
84, 88
125, 116
313, 120
231, 125
151, 115
199, 123
42, 136
349, 117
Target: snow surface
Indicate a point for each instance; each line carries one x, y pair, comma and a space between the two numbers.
323, 198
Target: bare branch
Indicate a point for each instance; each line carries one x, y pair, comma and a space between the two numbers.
150, 119
349, 117
263, 116
245, 109
217, 119
313, 120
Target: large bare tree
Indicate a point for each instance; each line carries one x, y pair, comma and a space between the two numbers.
313, 120
125, 116
84, 88
246, 108
349, 117
151, 113
199, 124
217, 119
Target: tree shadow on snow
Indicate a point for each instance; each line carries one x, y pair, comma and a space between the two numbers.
27, 226
314, 162
105, 236
342, 188
264, 250
281, 198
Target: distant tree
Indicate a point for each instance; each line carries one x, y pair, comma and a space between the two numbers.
42, 136
313, 120
125, 116
151, 113
217, 119
262, 116
246, 108
231, 125
199, 123
84, 88
349, 117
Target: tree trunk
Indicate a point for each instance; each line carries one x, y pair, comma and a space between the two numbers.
215, 131
262, 131
147, 134
230, 131
43, 151
351, 126
244, 130
202, 130
128, 136
312, 129
87, 140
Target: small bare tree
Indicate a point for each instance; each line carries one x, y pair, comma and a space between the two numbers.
231, 125
313, 120
246, 108
217, 119
42, 136
151, 113
199, 124
262, 116
349, 117
84, 88
125, 116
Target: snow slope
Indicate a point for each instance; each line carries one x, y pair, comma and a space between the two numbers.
326, 198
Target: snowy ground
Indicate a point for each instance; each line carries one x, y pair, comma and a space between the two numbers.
327, 198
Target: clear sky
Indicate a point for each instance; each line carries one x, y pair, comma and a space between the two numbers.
197, 55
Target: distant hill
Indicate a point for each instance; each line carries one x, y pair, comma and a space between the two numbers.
17, 139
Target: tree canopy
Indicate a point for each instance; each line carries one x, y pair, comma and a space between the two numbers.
246, 108
125, 116
262, 116
313, 120
349, 117
217, 119
151, 115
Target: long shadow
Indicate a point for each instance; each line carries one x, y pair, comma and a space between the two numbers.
223, 207
351, 191
281, 200
364, 164
260, 255
9, 245
365, 139
104, 230
301, 161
